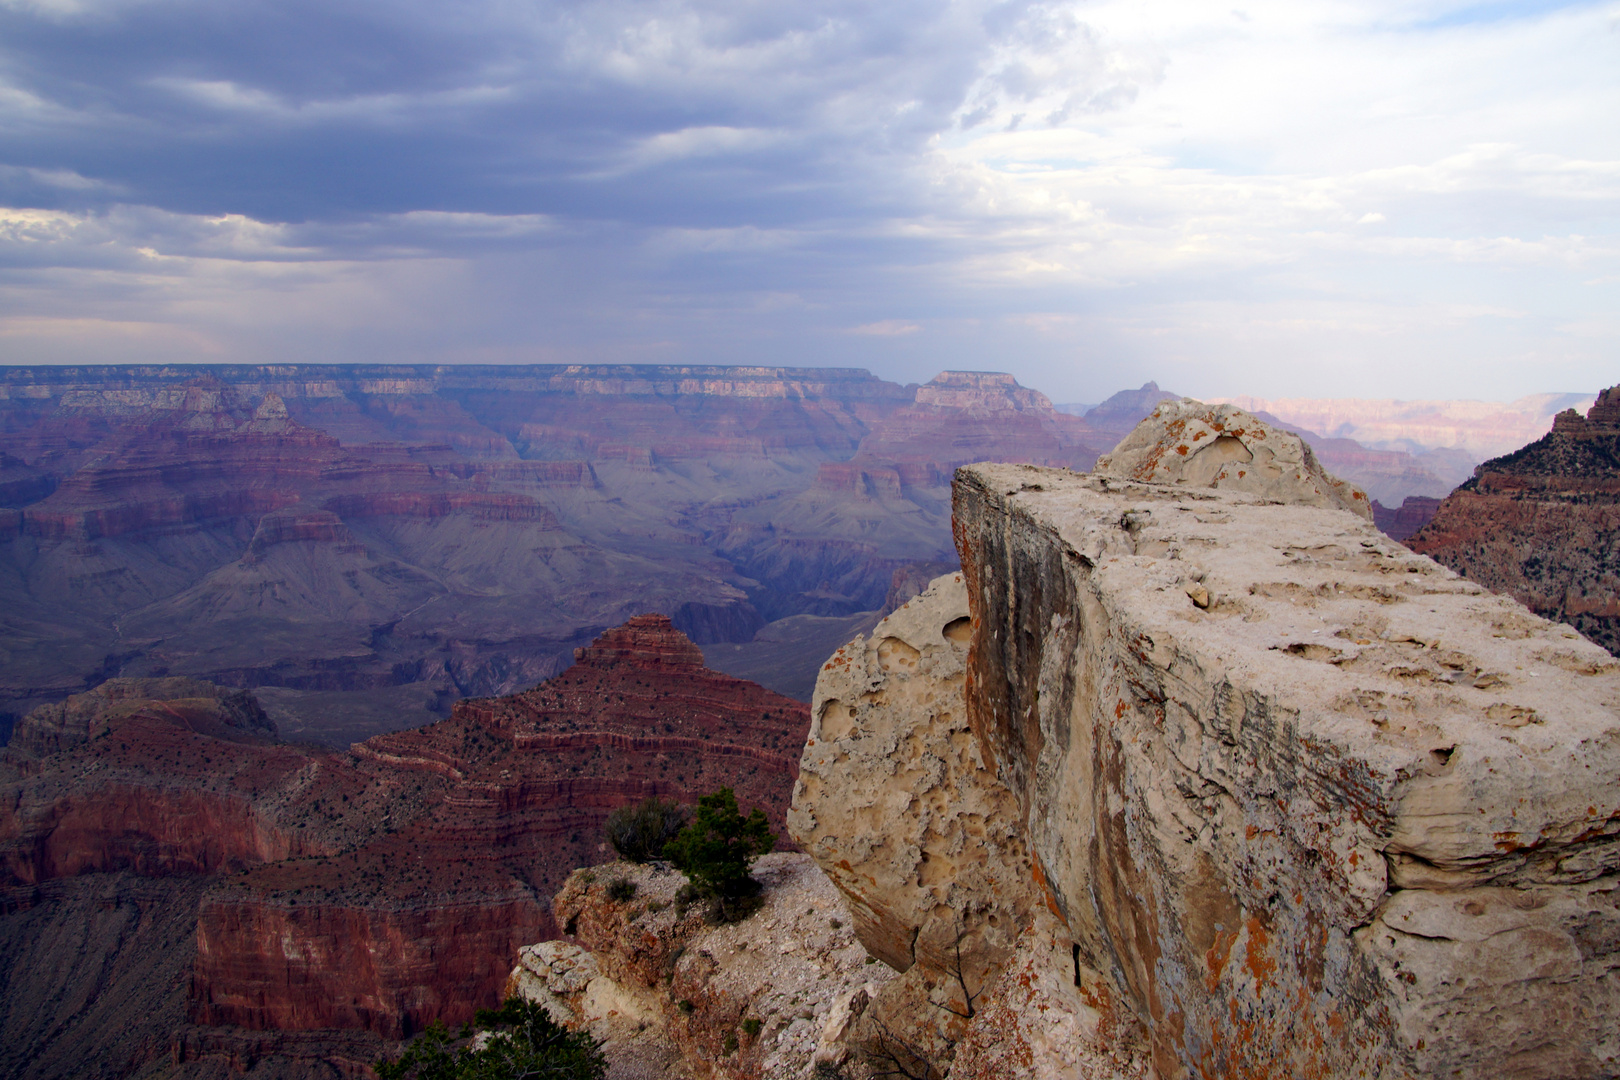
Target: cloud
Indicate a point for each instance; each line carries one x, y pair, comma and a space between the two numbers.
887, 328
1304, 192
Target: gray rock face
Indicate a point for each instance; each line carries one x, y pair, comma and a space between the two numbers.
1301, 802
1189, 443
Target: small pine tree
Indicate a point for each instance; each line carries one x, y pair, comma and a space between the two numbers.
527, 1043
717, 849
640, 833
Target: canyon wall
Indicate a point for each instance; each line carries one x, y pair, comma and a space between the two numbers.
1246, 789
1541, 524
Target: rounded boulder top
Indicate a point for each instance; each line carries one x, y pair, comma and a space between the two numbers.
1189, 443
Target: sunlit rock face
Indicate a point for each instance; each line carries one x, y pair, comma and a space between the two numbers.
895, 798
1540, 523
1293, 800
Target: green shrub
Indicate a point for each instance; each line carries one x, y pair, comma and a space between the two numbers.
752, 1025
717, 849
621, 889
527, 1042
640, 833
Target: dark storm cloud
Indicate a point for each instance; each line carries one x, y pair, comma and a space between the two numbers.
654, 112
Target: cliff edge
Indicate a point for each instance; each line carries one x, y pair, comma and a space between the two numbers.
1219, 783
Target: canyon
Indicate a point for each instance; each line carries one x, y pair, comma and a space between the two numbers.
298, 908
1188, 772
366, 545
1174, 776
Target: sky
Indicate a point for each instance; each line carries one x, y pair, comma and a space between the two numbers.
1305, 198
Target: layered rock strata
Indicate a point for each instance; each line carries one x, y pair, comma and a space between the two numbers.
376, 890
495, 806
1295, 800
1541, 524
372, 543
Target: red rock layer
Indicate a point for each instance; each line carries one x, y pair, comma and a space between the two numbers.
514, 793
643, 690
301, 965
1543, 524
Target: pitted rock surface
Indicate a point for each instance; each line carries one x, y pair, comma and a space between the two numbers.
895, 802
1189, 443
892, 797
1245, 809
1298, 802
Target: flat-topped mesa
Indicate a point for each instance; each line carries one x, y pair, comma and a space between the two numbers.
645, 641
1189, 443
979, 390
202, 707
